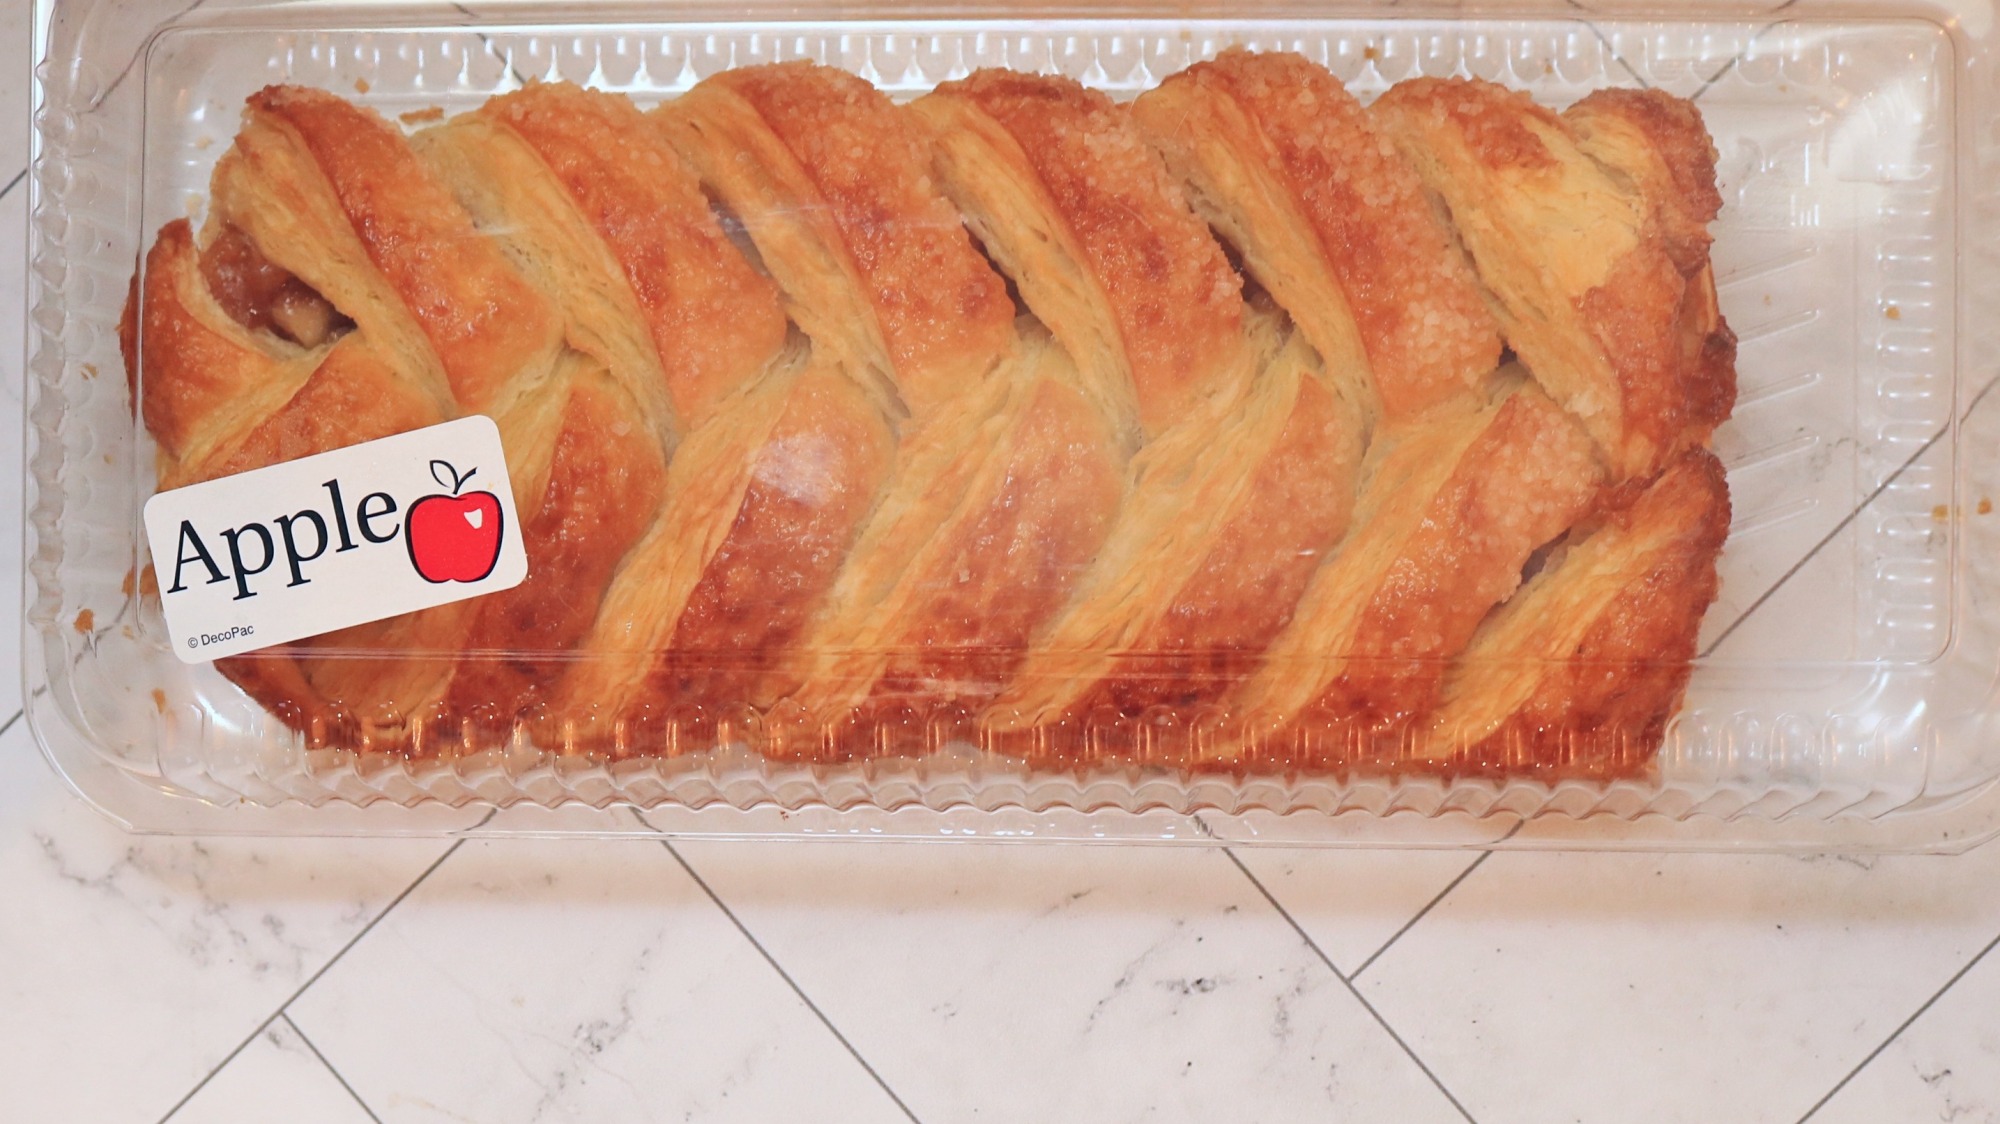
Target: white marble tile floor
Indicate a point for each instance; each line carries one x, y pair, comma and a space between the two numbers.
175, 981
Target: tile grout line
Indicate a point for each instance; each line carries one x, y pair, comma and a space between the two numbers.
1722, 71
1616, 57
1847, 520
789, 981
1898, 1032
1432, 904
485, 41
19, 178
140, 53
329, 1066
293, 997
9, 724
1351, 989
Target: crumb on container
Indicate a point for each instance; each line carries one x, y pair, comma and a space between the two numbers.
159, 700
85, 621
1941, 513
1893, 313
420, 116
361, 85
146, 582
1985, 506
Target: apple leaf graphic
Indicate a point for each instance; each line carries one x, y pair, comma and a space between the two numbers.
448, 476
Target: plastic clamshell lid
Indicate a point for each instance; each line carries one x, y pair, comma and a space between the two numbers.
1843, 698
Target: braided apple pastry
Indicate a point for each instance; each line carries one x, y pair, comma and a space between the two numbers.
1240, 427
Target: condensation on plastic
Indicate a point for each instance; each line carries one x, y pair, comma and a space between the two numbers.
1845, 696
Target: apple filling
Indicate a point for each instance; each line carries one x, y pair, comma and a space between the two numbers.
262, 296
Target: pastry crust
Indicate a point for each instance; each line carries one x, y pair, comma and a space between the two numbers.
832, 183
1577, 674
606, 483
1578, 266
224, 398
1282, 161
1240, 423
334, 195
1659, 143
1006, 476
205, 381
806, 492
711, 314
998, 504
1082, 215
1226, 519
976, 434
585, 458
1449, 515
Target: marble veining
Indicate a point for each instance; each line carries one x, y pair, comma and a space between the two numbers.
245, 982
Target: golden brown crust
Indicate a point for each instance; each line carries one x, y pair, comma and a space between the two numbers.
1527, 476
584, 456
831, 181
222, 398
713, 318
810, 487
1009, 567
351, 397
1708, 357
996, 507
1578, 676
1296, 503
1076, 548
1173, 303
1275, 148
606, 482
1157, 618
1448, 518
489, 329
1575, 257
707, 480
1660, 144
204, 378
1660, 141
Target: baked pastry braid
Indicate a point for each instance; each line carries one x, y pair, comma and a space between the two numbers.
1657, 142
783, 448
1582, 262
240, 367
1246, 478
829, 181
1006, 475
1577, 674
1457, 492
1281, 160
1073, 207
1450, 513
1241, 427
331, 199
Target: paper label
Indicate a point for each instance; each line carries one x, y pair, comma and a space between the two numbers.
342, 538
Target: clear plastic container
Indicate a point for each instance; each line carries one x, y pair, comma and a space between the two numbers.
1844, 697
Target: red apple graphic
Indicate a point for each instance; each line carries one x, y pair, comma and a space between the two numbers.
454, 538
